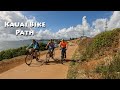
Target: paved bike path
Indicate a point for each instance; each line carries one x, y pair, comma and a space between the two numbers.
36, 71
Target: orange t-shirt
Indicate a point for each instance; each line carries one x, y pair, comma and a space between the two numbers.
63, 44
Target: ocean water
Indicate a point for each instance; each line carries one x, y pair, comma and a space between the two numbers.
4, 45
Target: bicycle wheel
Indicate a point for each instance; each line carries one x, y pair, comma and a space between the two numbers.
28, 59
38, 56
47, 57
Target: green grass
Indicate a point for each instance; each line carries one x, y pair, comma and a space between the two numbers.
96, 48
10, 53
72, 72
101, 43
111, 71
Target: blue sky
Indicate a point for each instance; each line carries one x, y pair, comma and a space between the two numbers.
59, 24
56, 20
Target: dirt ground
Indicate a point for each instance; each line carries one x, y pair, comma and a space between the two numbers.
53, 70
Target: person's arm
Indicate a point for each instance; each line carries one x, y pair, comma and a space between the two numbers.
35, 46
60, 45
29, 46
47, 45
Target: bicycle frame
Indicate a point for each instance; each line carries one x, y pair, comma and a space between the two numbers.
49, 54
31, 57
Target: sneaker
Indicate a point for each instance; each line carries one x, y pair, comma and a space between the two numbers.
46, 62
52, 57
37, 59
64, 60
33, 57
64, 56
61, 62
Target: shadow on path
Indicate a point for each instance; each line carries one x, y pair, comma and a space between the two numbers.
55, 61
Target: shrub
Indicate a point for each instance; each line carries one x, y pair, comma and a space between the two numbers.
101, 42
10, 53
111, 71
42, 46
7, 54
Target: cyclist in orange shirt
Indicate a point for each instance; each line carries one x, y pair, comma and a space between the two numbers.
63, 45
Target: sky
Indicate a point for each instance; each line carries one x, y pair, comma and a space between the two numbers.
59, 24
56, 20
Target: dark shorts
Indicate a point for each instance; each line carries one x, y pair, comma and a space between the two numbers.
50, 49
63, 52
63, 49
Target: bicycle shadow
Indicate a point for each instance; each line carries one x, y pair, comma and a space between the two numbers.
37, 63
51, 62
68, 60
43, 62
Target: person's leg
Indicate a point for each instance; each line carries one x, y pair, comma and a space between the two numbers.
31, 50
36, 53
52, 52
62, 55
65, 52
49, 50
62, 51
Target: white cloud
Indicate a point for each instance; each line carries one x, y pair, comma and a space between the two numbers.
74, 31
99, 24
44, 34
12, 16
114, 21
97, 27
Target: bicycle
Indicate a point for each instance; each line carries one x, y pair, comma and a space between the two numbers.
63, 54
30, 56
50, 54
